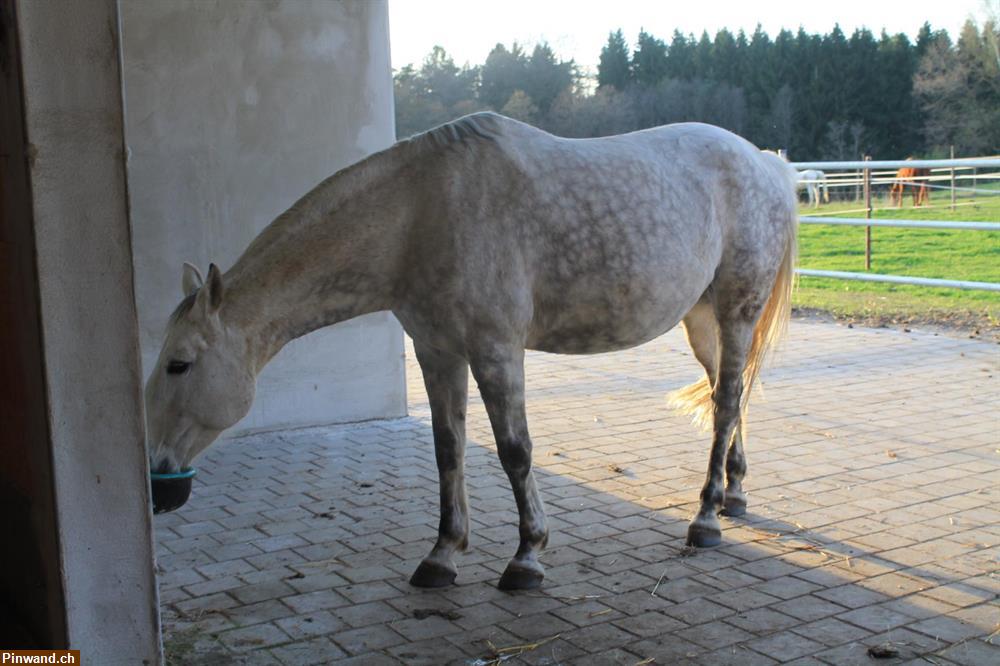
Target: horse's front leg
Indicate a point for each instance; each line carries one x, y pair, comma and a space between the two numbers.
500, 375
446, 378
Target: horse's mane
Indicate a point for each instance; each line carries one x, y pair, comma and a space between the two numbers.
467, 130
473, 128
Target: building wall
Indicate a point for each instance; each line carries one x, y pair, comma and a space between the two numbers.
233, 111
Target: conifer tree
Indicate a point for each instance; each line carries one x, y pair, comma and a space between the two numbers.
613, 68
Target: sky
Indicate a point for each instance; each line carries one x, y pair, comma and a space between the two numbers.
469, 29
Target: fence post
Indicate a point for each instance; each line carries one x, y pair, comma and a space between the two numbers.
953, 179
857, 186
868, 214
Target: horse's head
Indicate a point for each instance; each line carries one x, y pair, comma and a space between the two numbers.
203, 381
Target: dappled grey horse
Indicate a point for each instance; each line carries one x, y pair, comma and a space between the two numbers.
486, 237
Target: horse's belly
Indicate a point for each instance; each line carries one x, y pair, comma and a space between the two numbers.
605, 324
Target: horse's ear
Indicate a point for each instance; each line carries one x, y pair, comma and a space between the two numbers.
214, 288
191, 280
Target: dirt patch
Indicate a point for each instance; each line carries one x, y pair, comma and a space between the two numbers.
956, 325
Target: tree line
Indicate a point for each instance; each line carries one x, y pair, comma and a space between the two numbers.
819, 97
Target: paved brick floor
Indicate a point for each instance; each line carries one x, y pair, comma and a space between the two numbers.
874, 519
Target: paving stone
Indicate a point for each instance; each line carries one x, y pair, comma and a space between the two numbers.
715, 634
648, 624
909, 643
485, 642
787, 587
852, 596
367, 639
697, 611
830, 631
537, 627
762, 621
306, 653
744, 599
876, 618
587, 613
363, 615
253, 638
735, 655
808, 608
949, 629
214, 585
684, 589
365, 592
264, 611
272, 589
319, 623
313, 601
615, 656
427, 653
427, 627
667, 650
972, 653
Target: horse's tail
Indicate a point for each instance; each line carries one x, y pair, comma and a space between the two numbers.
695, 400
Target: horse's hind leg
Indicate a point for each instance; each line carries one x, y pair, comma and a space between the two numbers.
736, 336
702, 331
446, 378
500, 375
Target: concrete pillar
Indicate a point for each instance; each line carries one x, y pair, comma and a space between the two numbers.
76, 216
233, 111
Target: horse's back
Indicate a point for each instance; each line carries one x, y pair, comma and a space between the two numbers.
590, 245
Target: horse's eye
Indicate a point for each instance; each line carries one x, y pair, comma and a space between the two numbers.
177, 367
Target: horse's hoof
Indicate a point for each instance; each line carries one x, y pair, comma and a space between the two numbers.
734, 506
703, 536
430, 574
520, 578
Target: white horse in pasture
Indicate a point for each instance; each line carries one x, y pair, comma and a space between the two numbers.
486, 237
813, 181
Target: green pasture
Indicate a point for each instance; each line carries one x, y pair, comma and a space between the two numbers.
949, 254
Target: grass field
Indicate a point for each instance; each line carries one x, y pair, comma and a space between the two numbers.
949, 254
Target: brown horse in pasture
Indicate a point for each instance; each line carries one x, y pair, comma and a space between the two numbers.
916, 179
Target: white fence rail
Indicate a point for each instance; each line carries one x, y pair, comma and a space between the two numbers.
974, 162
916, 224
900, 279
866, 166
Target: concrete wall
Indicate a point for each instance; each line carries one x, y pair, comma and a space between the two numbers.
233, 111
74, 130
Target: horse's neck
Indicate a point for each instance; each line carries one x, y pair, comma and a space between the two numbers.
333, 256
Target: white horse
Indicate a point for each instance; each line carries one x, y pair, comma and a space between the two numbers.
812, 181
486, 237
